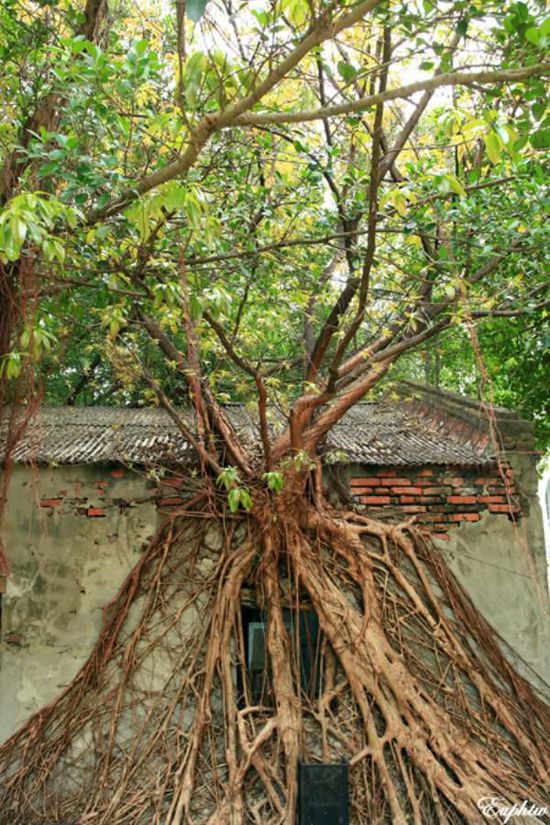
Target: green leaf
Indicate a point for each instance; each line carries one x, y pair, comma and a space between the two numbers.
493, 147
455, 185
228, 477
25, 337
275, 481
533, 35
234, 499
346, 71
297, 11
400, 203
195, 9
540, 139
48, 250
246, 498
174, 196
141, 47
538, 110
19, 229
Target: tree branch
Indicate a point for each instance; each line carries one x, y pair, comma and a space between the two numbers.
222, 426
323, 30
458, 78
247, 367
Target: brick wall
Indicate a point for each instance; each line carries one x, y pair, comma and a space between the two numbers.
437, 497
95, 499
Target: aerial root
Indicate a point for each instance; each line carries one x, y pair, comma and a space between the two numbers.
162, 724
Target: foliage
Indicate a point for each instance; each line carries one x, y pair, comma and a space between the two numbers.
270, 222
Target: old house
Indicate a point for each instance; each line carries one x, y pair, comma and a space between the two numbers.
90, 487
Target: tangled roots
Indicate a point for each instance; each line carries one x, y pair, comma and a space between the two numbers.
163, 724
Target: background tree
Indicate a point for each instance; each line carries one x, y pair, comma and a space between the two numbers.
273, 206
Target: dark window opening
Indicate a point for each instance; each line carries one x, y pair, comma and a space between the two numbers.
305, 636
323, 794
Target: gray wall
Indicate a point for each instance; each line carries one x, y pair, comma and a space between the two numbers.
68, 560
504, 569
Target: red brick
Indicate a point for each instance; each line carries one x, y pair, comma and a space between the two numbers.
413, 508
358, 491
50, 502
169, 502
499, 490
389, 482
464, 516
364, 482
429, 517
403, 490
461, 499
503, 508
442, 537
435, 491
492, 499
407, 500
375, 499
118, 473
95, 512
455, 481
426, 472
386, 473
492, 480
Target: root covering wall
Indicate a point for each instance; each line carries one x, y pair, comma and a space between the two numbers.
488, 524
74, 533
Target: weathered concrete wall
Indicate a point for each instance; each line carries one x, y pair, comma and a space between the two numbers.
502, 565
491, 533
72, 534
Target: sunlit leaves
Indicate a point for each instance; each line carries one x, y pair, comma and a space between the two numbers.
275, 481
237, 495
33, 217
171, 198
11, 365
114, 318
267, 243
399, 198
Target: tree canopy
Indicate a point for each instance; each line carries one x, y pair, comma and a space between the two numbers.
304, 192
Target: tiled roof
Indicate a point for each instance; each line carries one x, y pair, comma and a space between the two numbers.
389, 433
370, 433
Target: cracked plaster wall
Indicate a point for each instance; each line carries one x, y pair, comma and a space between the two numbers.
502, 565
72, 534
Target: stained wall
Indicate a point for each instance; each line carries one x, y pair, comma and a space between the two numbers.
72, 534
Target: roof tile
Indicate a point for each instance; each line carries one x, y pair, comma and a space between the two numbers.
385, 433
